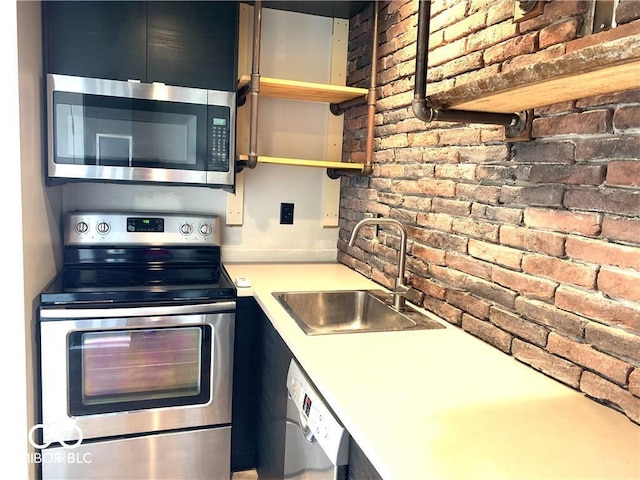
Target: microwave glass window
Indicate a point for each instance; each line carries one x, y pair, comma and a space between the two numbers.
97, 136
130, 369
102, 131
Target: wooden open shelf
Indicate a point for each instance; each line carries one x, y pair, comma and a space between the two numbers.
597, 69
305, 163
307, 91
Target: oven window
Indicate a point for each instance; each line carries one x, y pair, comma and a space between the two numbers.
121, 370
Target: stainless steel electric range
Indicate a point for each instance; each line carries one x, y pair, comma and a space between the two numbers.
135, 340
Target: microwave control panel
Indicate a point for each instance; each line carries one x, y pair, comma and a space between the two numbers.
219, 138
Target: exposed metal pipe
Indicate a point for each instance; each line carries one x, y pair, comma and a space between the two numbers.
371, 97
340, 108
513, 122
254, 86
335, 173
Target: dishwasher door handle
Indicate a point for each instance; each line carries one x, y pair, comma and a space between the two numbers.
306, 431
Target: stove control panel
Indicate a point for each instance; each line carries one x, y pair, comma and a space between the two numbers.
144, 224
139, 228
315, 417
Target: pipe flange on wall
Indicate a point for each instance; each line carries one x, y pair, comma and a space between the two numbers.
518, 127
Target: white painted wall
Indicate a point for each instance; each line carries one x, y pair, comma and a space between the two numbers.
29, 232
13, 407
296, 47
41, 207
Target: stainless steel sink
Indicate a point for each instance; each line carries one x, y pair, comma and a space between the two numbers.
350, 311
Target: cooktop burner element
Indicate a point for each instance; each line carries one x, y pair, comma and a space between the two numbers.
91, 279
140, 258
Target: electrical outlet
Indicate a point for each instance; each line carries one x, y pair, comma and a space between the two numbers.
286, 214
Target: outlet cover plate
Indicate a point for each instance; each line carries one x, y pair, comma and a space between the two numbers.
286, 214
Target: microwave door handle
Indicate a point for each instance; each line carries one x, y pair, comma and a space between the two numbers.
131, 151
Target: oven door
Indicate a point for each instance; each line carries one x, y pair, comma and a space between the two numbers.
121, 371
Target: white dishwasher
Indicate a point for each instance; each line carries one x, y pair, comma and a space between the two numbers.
316, 445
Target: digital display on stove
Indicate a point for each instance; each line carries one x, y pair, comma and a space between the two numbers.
145, 224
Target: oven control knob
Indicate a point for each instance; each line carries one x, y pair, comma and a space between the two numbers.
186, 229
103, 228
206, 229
82, 227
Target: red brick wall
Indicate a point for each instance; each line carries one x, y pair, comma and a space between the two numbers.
533, 247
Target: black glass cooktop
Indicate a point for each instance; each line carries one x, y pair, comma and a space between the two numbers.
145, 276
113, 285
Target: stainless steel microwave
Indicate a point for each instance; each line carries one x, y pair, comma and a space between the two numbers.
114, 131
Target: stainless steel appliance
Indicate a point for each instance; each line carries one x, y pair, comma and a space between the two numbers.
135, 341
316, 443
114, 131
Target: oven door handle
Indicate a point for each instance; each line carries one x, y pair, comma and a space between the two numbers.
146, 311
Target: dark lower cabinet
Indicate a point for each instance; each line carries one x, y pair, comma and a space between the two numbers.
261, 362
360, 468
246, 383
275, 357
183, 43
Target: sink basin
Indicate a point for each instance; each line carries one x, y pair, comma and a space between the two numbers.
350, 311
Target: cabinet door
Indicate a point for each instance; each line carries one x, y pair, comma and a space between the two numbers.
193, 44
95, 39
246, 377
261, 362
275, 357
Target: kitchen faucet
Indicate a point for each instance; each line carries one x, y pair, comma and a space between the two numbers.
400, 290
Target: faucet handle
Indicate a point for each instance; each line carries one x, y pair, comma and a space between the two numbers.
400, 283
411, 294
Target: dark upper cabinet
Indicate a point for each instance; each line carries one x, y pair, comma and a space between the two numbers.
188, 43
95, 39
193, 43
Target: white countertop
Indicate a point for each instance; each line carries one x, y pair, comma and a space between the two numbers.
441, 404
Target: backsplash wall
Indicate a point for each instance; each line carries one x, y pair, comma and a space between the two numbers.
533, 247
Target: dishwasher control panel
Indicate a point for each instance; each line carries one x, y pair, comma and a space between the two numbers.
315, 417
